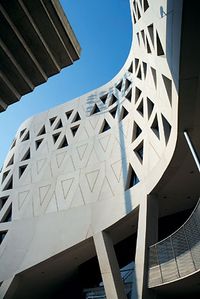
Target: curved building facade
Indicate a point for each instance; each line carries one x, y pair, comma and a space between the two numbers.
83, 177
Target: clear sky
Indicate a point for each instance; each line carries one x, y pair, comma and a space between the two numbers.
103, 29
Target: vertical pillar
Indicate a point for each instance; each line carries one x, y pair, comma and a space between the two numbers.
109, 267
147, 234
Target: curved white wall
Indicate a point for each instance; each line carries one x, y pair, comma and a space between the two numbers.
87, 163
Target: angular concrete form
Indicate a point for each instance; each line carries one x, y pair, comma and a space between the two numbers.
36, 42
109, 174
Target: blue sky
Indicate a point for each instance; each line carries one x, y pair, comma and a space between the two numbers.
103, 29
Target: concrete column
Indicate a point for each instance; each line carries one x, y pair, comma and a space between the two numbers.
109, 267
147, 234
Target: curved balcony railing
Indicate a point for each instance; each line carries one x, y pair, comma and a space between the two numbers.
177, 255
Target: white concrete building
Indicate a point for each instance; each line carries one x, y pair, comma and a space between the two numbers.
109, 174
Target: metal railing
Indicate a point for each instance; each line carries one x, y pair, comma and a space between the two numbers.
177, 255
99, 292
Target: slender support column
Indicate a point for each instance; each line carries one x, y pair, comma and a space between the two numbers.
192, 149
109, 267
147, 234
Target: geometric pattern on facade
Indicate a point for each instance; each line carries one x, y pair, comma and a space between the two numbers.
103, 145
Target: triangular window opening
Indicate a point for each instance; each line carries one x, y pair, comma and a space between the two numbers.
150, 106
8, 215
76, 117
123, 113
143, 37
140, 151
11, 161
105, 127
3, 200
167, 128
127, 84
131, 68
148, 46
137, 94
113, 112
136, 131
59, 125
153, 71
119, 86
13, 144
22, 132
144, 69
132, 178
140, 108
151, 33
136, 64
51, 120
160, 50
22, 169
4, 176
56, 136
68, 114
129, 95
112, 100
155, 127
74, 130
134, 19
146, 5
139, 73
42, 131
26, 137
168, 87
27, 155
38, 142
104, 98
9, 184
63, 143
95, 109
2, 236
138, 13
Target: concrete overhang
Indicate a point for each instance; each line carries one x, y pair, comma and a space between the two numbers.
36, 42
